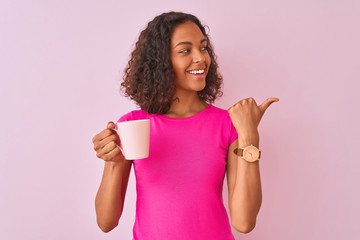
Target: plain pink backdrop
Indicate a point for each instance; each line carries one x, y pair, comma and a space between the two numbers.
61, 66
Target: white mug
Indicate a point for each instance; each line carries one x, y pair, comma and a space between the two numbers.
134, 138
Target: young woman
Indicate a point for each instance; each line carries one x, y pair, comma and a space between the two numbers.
172, 75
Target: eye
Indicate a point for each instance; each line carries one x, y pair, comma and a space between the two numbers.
205, 48
185, 51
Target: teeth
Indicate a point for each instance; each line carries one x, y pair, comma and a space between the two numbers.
197, 71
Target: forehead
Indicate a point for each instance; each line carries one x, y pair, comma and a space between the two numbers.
188, 32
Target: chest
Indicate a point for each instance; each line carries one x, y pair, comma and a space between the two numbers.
189, 155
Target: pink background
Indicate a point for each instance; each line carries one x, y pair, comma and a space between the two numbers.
61, 65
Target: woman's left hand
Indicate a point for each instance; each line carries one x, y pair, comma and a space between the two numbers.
246, 115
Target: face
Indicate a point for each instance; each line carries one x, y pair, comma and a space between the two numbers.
189, 57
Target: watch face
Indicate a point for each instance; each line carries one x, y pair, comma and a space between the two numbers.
251, 154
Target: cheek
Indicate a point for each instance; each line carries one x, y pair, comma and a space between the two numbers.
177, 66
178, 72
180, 69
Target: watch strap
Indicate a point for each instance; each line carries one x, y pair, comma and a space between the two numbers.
240, 152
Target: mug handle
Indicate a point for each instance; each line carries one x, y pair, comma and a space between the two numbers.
122, 151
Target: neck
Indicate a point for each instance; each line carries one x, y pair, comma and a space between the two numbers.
186, 106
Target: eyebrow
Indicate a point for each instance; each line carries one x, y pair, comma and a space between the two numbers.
189, 43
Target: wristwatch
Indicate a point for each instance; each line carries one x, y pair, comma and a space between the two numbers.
249, 153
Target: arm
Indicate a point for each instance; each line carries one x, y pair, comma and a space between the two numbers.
243, 177
110, 197
244, 186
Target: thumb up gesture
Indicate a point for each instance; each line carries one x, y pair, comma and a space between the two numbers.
246, 115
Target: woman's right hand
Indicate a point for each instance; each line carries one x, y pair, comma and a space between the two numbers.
106, 144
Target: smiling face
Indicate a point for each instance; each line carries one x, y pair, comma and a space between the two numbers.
189, 57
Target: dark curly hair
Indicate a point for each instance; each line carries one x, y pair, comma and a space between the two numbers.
149, 76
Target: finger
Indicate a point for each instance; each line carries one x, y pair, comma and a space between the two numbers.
106, 149
110, 125
267, 103
103, 134
250, 99
114, 154
101, 144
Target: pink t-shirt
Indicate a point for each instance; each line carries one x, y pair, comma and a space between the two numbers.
179, 186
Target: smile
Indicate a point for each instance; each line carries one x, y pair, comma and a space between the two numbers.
200, 71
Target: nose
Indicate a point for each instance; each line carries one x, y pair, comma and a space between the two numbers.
198, 57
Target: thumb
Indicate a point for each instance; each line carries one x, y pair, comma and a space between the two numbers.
267, 103
110, 125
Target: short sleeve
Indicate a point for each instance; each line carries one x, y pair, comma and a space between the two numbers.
125, 117
133, 115
233, 132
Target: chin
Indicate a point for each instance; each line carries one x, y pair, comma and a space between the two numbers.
199, 88
203, 87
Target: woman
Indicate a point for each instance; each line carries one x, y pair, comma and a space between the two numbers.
172, 75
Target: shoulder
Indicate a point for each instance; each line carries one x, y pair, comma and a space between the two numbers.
134, 115
224, 122
218, 110
219, 113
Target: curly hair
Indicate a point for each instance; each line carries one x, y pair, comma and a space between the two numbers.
149, 76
